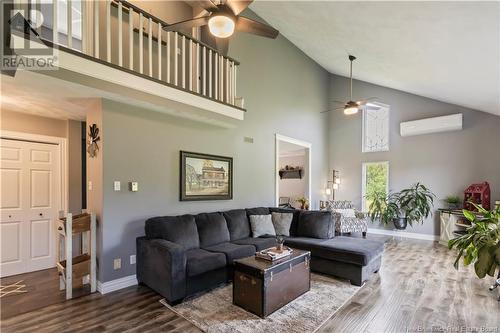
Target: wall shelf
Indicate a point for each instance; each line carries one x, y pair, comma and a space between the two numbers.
291, 174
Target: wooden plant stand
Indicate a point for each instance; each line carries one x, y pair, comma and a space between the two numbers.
79, 270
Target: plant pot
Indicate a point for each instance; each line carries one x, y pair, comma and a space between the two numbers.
453, 206
400, 223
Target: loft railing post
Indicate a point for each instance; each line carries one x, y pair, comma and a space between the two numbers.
183, 55
69, 22
159, 51
176, 59
108, 30
141, 44
131, 38
120, 34
197, 68
55, 32
216, 71
204, 70
191, 65
96, 29
210, 73
169, 50
150, 46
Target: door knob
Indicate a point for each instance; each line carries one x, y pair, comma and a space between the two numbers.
10, 216
40, 214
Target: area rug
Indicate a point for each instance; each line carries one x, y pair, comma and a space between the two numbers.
213, 312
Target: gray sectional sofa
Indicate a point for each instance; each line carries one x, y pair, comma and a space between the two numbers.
182, 255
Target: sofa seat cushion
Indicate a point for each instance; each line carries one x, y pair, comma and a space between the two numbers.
181, 230
237, 223
200, 261
232, 251
356, 251
260, 243
212, 228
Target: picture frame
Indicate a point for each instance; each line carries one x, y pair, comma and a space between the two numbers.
205, 177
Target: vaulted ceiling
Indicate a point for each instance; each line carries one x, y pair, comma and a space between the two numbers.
448, 51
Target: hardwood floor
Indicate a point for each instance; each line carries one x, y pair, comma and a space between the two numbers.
417, 288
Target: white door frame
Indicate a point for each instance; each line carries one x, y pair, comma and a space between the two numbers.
297, 142
63, 162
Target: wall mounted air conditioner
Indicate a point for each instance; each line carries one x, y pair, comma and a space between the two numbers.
452, 122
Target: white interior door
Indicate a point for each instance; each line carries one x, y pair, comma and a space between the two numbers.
29, 204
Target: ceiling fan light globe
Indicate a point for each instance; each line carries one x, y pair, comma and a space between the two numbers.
350, 110
221, 26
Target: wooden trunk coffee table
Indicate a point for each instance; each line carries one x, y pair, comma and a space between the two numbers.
262, 287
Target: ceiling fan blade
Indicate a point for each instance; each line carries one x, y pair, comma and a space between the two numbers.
237, 6
366, 100
222, 45
339, 102
247, 25
205, 4
338, 109
188, 24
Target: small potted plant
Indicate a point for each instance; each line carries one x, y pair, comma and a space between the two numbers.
411, 205
304, 202
452, 201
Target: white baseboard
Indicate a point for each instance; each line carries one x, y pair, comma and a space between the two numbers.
113, 285
404, 234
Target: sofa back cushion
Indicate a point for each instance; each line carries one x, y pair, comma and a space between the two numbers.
237, 223
295, 220
212, 228
316, 224
177, 229
258, 211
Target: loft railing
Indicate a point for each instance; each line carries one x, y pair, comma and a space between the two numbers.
120, 33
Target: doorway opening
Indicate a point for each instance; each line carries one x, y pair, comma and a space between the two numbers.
293, 167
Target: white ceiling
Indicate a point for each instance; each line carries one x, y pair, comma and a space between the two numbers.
448, 51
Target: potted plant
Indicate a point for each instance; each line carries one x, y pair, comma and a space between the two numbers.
452, 201
481, 244
304, 202
411, 205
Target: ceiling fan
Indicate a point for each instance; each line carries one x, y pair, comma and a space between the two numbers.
223, 19
351, 107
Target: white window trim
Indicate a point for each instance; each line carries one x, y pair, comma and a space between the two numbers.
363, 121
363, 181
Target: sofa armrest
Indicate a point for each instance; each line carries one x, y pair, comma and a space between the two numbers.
161, 265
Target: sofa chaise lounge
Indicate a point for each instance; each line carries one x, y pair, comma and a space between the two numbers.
183, 255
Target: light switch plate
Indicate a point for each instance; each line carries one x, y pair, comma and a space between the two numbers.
134, 186
132, 259
117, 263
90, 185
117, 185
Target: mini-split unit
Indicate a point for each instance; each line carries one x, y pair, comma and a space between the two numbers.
452, 122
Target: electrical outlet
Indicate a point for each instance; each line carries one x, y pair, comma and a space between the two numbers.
132, 259
117, 264
117, 185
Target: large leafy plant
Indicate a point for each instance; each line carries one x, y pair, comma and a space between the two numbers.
414, 204
481, 244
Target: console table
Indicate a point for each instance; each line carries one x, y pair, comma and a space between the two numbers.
453, 224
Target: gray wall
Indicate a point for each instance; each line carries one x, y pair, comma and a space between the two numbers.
446, 162
284, 92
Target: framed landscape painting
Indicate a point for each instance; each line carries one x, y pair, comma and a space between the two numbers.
205, 177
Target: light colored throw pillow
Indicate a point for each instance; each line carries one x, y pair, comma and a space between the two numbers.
261, 225
282, 223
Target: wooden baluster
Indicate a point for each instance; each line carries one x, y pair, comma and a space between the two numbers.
227, 81
150, 46
210, 73
159, 50
96, 29
108, 30
69, 22
183, 55
176, 59
141, 44
204, 70
191, 59
221, 66
169, 50
233, 81
216, 82
131, 38
120, 34
197, 68
55, 32
235, 86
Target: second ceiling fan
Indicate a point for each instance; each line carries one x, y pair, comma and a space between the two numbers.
223, 19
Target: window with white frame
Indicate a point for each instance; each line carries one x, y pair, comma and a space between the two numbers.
375, 178
375, 127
